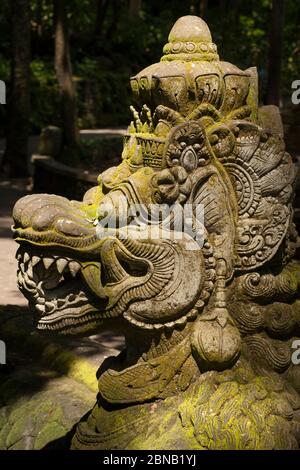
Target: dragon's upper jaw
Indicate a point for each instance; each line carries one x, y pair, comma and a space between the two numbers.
72, 289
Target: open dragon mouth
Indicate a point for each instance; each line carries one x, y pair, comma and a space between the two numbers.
75, 295
55, 291
75, 276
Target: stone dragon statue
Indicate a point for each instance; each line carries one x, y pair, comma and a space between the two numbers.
209, 325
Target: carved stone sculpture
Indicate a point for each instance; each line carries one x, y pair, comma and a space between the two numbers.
210, 319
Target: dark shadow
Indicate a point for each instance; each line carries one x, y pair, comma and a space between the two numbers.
64, 442
25, 374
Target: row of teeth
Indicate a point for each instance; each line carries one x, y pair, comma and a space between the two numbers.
247, 138
71, 321
62, 264
47, 307
28, 282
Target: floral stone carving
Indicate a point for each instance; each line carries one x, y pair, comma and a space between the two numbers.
209, 324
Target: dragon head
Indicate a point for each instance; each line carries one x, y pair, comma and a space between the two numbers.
76, 272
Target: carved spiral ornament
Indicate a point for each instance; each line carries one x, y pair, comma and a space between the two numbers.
246, 186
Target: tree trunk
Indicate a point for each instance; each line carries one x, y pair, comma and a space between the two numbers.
236, 9
192, 7
63, 70
16, 152
116, 6
38, 28
202, 8
135, 7
275, 52
101, 9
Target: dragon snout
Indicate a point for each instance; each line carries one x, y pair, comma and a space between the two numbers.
44, 212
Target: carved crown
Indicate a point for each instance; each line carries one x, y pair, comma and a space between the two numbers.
190, 73
189, 82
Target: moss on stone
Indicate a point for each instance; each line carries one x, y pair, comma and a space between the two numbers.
67, 363
49, 433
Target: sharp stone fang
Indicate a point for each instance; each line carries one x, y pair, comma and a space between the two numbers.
48, 262
40, 308
26, 257
29, 270
29, 282
74, 268
181, 321
35, 260
49, 306
39, 288
61, 263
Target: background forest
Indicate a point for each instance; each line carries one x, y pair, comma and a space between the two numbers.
69, 61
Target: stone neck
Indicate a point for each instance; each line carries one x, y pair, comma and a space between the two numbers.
142, 346
152, 366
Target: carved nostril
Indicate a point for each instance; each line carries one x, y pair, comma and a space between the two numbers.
134, 268
27, 207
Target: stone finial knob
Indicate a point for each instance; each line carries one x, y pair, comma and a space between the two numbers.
190, 40
190, 28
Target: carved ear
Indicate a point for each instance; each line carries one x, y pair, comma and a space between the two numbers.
205, 110
164, 119
222, 140
167, 114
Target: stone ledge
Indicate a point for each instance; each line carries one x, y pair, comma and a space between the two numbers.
60, 168
51, 176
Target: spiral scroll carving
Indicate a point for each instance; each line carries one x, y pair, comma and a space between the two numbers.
249, 318
267, 287
275, 354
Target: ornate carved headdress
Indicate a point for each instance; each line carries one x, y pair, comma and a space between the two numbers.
189, 83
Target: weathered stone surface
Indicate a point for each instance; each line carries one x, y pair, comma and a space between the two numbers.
48, 409
269, 118
209, 310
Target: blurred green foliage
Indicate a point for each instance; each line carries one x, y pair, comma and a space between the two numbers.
107, 49
99, 154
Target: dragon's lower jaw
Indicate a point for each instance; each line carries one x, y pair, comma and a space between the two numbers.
71, 322
56, 294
